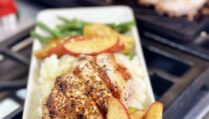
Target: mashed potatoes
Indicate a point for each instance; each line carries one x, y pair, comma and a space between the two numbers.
135, 90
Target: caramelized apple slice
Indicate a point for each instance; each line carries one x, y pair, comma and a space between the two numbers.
77, 45
132, 110
104, 30
56, 47
91, 46
138, 115
155, 111
116, 110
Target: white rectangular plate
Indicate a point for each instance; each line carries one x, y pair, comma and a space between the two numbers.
114, 14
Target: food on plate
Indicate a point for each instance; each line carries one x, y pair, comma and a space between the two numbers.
176, 8
86, 72
106, 31
90, 38
93, 46
78, 45
92, 81
67, 28
131, 110
54, 47
90, 78
72, 27
153, 112
140, 114
116, 110
68, 100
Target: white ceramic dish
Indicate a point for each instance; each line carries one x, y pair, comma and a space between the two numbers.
95, 14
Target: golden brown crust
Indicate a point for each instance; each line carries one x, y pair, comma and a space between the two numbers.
96, 87
68, 101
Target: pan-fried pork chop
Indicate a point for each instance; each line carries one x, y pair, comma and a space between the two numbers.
68, 100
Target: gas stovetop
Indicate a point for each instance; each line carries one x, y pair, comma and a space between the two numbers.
178, 79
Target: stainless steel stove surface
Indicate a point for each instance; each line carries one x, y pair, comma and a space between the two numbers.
179, 79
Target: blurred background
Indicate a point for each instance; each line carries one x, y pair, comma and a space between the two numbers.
175, 44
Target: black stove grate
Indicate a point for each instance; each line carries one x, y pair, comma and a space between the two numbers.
95, 2
15, 56
175, 76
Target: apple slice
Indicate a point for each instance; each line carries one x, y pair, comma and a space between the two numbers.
46, 52
132, 110
56, 47
116, 110
105, 30
138, 115
91, 46
155, 111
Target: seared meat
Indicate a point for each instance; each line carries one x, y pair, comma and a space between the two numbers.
180, 7
68, 100
176, 8
113, 70
83, 91
87, 71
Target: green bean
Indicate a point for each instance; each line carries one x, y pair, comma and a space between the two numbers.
72, 24
72, 33
43, 39
73, 27
68, 27
122, 27
63, 19
54, 33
